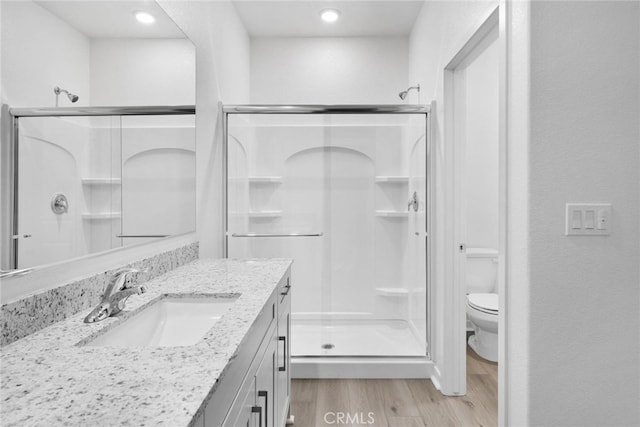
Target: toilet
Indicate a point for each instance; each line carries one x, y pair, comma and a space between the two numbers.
482, 301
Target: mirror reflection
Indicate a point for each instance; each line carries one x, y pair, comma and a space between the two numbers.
91, 172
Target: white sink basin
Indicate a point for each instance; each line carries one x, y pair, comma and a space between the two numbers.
170, 322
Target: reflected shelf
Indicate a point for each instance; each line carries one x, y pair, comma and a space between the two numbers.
392, 179
265, 179
101, 215
101, 181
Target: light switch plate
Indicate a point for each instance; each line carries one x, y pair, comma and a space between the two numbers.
588, 219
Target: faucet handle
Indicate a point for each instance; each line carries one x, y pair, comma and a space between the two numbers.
120, 277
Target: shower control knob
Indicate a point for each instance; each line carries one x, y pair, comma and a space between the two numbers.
59, 204
413, 202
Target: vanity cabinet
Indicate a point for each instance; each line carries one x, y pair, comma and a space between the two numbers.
255, 390
283, 374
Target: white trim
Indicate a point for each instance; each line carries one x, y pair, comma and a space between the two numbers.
362, 367
453, 366
503, 147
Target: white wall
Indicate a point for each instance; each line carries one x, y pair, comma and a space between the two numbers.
39, 52
142, 72
585, 147
222, 75
353, 70
481, 149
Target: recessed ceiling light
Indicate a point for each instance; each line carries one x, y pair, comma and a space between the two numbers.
145, 18
330, 15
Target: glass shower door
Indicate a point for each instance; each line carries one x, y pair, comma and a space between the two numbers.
330, 192
68, 205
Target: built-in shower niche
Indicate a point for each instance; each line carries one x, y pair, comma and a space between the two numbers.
340, 184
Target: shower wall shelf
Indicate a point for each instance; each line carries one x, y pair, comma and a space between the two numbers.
264, 214
101, 216
392, 292
101, 181
392, 179
265, 180
259, 179
392, 214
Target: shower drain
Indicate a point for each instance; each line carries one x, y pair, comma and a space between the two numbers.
327, 346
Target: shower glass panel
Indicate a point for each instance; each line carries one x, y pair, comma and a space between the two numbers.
331, 192
77, 159
91, 183
158, 177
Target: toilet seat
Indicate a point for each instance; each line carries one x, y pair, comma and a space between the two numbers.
486, 303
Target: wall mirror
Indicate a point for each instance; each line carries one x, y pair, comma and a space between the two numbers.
101, 148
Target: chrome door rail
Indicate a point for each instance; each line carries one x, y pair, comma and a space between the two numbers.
277, 234
104, 111
326, 109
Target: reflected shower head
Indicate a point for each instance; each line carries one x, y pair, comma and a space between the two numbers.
71, 96
404, 93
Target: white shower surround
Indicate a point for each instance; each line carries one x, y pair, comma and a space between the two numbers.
85, 159
346, 177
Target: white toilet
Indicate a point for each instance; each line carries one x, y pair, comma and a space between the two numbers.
482, 301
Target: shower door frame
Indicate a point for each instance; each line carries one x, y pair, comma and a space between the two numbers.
302, 109
14, 116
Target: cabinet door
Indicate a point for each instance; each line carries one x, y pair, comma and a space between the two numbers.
266, 384
283, 368
249, 414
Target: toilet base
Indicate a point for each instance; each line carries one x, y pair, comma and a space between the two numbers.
485, 344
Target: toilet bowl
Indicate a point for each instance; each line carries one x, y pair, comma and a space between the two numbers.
482, 312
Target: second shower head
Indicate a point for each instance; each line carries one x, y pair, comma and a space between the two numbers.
72, 97
404, 93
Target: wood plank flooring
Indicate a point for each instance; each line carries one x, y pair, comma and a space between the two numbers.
397, 403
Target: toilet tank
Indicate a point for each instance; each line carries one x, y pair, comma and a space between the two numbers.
481, 270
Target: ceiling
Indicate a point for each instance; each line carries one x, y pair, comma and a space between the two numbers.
113, 19
301, 18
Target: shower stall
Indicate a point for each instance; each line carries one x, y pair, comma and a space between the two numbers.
341, 190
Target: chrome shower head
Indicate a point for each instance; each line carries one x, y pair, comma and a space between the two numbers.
71, 96
404, 93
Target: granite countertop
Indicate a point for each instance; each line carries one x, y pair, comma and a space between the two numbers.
47, 379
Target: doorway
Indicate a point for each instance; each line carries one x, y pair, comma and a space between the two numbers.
475, 177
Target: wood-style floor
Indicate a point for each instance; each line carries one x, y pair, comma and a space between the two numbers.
398, 403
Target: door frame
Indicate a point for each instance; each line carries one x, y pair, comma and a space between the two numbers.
453, 366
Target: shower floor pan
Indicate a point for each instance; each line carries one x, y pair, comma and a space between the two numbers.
359, 338
357, 349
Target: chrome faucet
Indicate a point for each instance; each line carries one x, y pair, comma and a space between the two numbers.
115, 296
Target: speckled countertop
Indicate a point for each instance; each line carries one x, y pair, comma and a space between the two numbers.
47, 379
